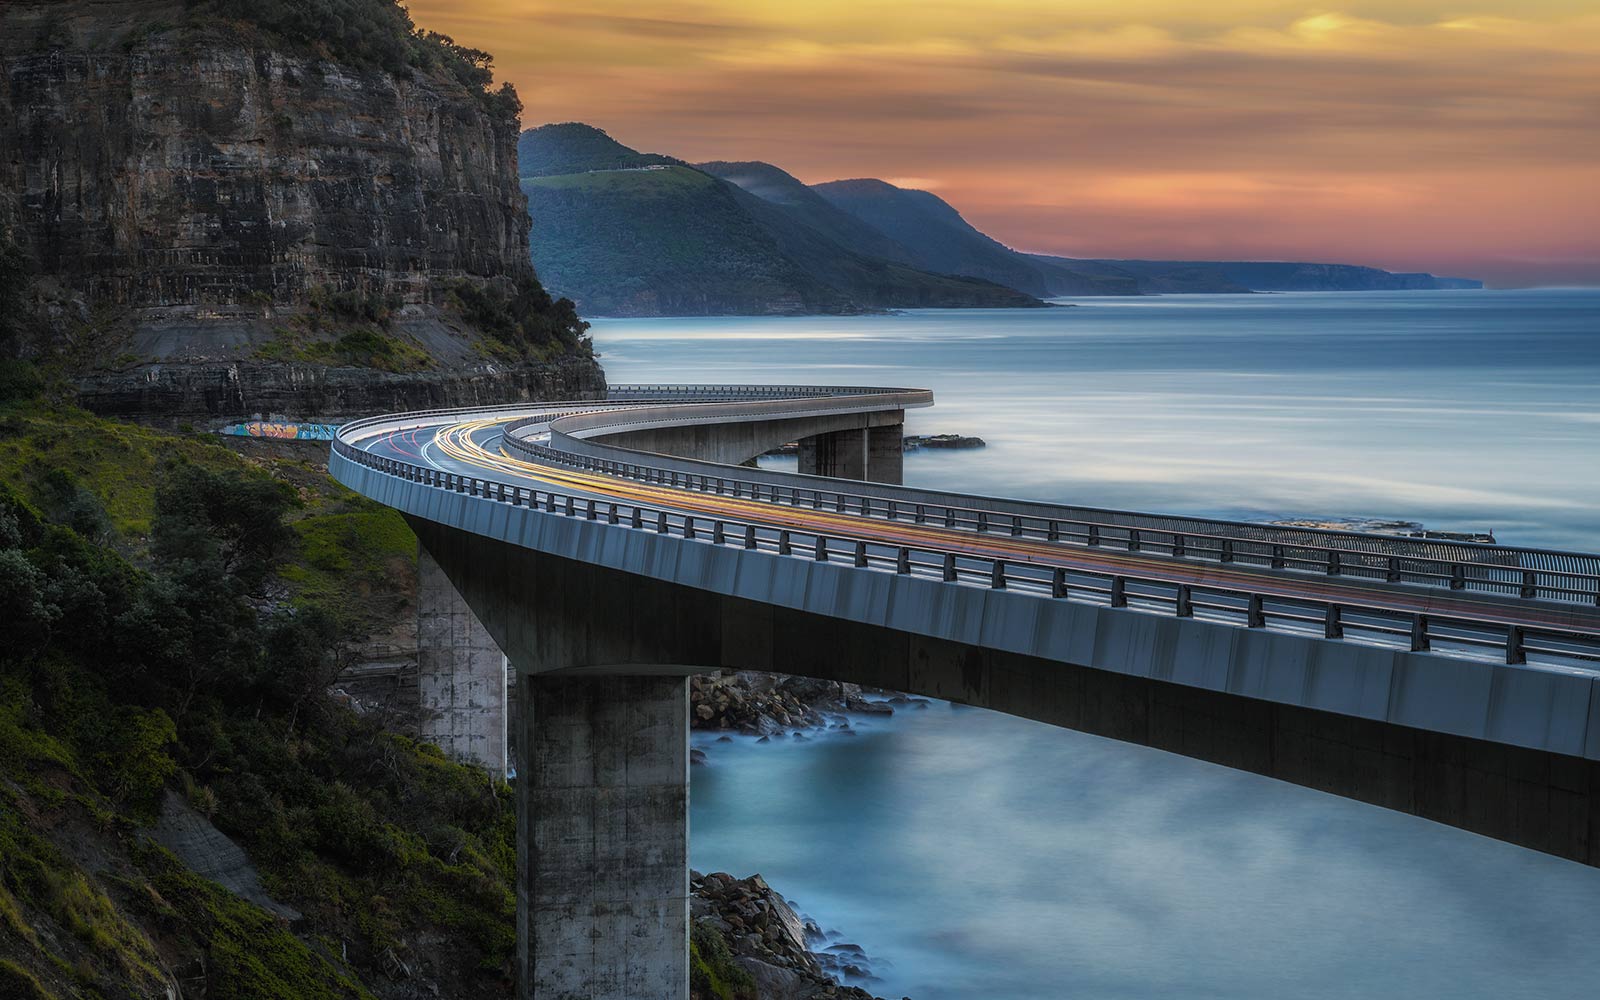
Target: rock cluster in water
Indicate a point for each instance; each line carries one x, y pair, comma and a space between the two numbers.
772, 943
760, 704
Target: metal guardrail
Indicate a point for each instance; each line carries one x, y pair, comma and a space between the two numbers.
1464, 567
1239, 606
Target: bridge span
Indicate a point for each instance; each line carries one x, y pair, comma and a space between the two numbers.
609, 548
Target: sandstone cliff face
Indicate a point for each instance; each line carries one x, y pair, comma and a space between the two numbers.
201, 186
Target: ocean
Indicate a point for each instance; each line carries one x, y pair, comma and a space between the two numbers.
974, 855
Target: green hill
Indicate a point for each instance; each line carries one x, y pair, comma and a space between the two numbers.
630, 234
944, 242
573, 147
773, 184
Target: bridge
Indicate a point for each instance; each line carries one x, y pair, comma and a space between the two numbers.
602, 551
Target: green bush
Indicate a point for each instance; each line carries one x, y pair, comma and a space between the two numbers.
520, 314
376, 33
712, 969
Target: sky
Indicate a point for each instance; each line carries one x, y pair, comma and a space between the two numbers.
1455, 137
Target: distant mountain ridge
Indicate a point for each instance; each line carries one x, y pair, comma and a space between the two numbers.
628, 233
624, 233
946, 243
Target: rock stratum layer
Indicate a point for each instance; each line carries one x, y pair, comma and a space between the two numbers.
192, 191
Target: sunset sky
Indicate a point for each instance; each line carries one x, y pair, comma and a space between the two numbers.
1457, 137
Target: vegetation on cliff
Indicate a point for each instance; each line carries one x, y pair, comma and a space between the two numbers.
171, 616
374, 33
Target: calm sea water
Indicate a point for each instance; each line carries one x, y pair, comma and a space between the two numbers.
973, 855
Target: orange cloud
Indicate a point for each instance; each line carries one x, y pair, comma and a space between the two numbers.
1433, 134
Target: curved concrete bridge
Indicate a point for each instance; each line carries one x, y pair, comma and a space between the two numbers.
609, 548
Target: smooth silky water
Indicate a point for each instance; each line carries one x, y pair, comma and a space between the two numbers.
974, 855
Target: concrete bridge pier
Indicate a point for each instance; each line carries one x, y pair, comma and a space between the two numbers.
603, 837
461, 674
874, 454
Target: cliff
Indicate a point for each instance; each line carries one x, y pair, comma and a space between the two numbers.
231, 217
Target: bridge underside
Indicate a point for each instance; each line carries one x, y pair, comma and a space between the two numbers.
554, 614
865, 446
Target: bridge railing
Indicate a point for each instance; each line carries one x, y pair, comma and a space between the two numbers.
1467, 568
1238, 605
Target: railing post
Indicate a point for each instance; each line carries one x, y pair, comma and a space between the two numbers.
1183, 604
1333, 562
1225, 552
1053, 532
1016, 525
1515, 652
1278, 562
688, 528
1420, 642
749, 536
949, 517
589, 513
1119, 592
783, 542
1458, 576
893, 512
902, 560
571, 508
949, 567
550, 502
638, 518
1333, 622
822, 548
1392, 572
1093, 540
718, 535
661, 523
983, 522
1530, 584
611, 514
861, 552
1133, 539
1254, 615
922, 514
1177, 546
1058, 582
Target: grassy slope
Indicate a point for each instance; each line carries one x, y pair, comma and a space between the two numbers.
356, 556
382, 843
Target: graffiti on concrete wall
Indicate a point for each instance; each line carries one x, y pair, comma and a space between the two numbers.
282, 431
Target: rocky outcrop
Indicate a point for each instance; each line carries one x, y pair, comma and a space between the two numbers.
189, 189
210, 853
203, 394
763, 704
768, 940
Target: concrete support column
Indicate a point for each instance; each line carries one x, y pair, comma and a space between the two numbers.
603, 838
841, 454
461, 674
886, 454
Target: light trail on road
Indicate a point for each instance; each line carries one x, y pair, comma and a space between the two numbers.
474, 446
